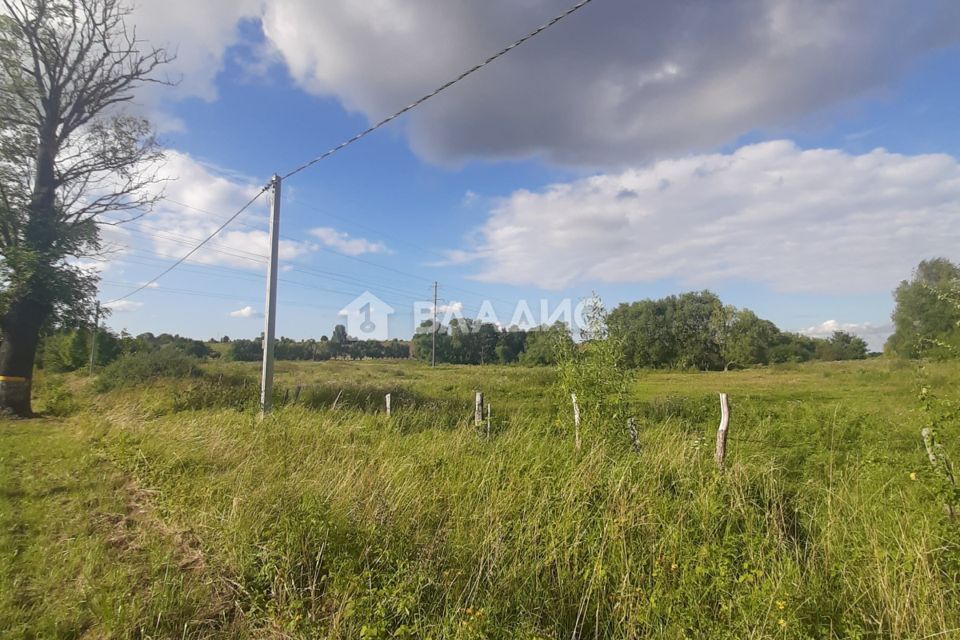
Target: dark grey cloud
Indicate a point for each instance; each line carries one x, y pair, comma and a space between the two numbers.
620, 82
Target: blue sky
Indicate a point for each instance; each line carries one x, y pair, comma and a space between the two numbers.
591, 159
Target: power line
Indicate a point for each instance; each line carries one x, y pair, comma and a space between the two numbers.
444, 86
194, 249
360, 136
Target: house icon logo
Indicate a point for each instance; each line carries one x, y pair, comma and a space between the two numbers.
368, 317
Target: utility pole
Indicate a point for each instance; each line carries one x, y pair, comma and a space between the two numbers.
93, 337
270, 323
433, 350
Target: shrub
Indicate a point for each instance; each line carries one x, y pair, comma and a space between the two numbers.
137, 368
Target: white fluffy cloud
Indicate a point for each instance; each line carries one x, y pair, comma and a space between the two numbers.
342, 242
874, 335
123, 306
246, 312
454, 308
199, 33
796, 220
198, 198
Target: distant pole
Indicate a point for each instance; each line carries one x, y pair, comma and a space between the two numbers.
93, 337
270, 324
433, 350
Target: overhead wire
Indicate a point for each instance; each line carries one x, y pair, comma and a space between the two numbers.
194, 249
346, 143
416, 103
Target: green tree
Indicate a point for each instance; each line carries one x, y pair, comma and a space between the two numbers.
69, 156
544, 343
338, 341
923, 314
748, 339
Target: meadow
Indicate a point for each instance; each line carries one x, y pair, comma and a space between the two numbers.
170, 509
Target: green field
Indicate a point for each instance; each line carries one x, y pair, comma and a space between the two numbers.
171, 510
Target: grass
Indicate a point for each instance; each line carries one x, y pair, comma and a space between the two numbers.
166, 511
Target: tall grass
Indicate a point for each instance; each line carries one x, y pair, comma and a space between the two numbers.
345, 523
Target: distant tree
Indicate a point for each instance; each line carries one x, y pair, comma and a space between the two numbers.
923, 313
842, 346
510, 344
544, 343
792, 347
748, 339
245, 350
338, 341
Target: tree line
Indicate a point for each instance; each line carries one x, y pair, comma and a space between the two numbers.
697, 331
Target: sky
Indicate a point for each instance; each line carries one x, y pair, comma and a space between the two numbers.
797, 158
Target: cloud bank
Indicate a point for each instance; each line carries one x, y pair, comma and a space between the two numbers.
617, 83
796, 220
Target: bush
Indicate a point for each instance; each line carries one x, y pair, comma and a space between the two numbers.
137, 368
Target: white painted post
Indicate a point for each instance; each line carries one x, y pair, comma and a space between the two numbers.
488, 422
478, 410
722, 430
576, 420
270, 323
387, 398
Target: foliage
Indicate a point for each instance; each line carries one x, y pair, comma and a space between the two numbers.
925, 318
592, 371
696, 330
148, 366
242, 350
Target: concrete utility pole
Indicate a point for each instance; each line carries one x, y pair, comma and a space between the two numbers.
433, 350
270, 323
93, 337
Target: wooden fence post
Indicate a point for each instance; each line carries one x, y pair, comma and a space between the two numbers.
576, 420
634, 434
722, 430
478, 410
387, 400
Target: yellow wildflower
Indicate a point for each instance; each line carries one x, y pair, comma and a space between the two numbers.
913, 475
781, 605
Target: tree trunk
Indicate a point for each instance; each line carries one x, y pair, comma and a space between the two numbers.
20, 331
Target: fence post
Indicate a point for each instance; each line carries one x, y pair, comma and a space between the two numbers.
478, 410
488, 422
722, 430
576, 421
387, 400
634, 434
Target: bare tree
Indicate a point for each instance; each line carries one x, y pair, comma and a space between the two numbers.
70, 155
